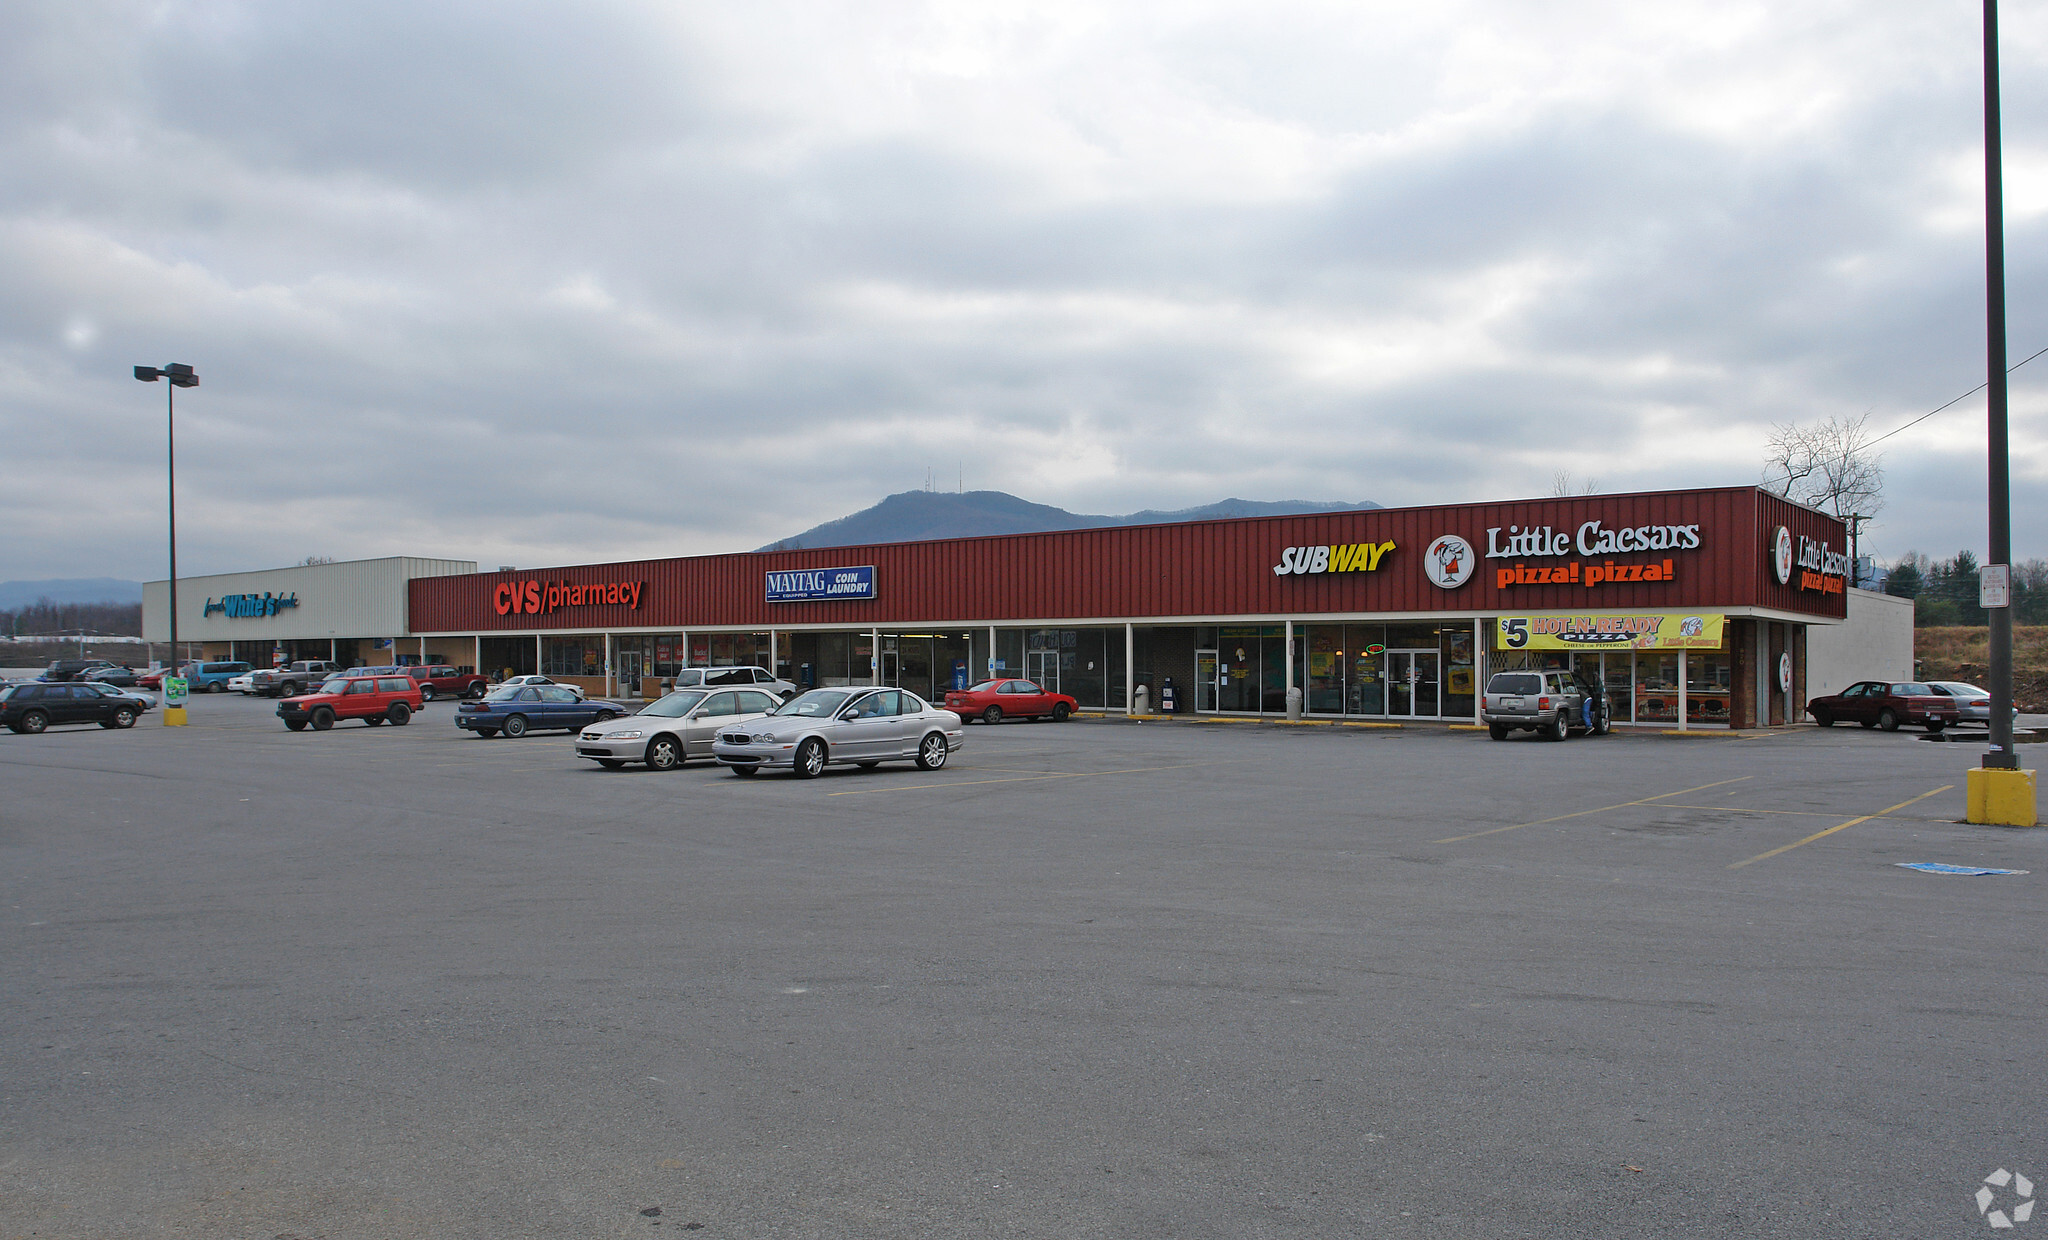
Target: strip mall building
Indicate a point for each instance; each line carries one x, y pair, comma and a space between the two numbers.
1693, 606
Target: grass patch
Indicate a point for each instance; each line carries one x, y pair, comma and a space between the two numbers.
1964, 653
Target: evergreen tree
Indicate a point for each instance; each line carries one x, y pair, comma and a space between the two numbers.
1906, 580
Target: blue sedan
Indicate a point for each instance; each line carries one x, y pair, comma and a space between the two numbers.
519, 709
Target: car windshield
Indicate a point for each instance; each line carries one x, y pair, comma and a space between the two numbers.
1911, 689
1515, 682
505, 694
818, 703
1954, 689
986, 686
338, 685
675, 705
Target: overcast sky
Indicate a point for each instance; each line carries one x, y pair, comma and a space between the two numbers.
534, 284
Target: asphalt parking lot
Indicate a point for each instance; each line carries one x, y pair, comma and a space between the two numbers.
1095, 979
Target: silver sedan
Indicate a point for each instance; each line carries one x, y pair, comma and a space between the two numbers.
672, 730
1973, 705
861, 726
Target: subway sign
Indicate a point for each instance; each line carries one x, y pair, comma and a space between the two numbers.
812, 585
1338, 558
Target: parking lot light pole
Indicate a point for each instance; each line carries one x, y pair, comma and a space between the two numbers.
180, 375
1999, 791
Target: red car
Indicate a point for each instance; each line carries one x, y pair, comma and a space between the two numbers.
991, 700
1883, 704
440, 680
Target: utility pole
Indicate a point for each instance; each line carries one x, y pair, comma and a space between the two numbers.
1999, 792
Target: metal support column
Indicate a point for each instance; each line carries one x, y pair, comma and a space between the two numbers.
1130, 668
1682, 709
610, 669
1288, 687
536, 653
875, 656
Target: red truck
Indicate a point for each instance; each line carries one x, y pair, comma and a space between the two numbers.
440, 680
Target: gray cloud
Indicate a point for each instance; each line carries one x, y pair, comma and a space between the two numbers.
505, 283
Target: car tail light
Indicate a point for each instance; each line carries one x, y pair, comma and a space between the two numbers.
1543, 703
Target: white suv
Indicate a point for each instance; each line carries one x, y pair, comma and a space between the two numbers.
734, 677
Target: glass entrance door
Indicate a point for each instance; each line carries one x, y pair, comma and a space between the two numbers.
1205, 680
1412, 688
629, 672
1043, 666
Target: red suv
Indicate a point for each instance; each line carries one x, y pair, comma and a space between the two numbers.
372, 699
440, 680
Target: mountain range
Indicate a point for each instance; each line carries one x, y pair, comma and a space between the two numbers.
16, 594
915, 516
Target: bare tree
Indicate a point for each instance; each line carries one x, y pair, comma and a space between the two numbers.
1828, 465
1562, 486
313, 560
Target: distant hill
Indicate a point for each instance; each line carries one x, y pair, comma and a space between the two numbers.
916, 516
18, 594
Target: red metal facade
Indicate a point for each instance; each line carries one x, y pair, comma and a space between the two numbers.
1207, 568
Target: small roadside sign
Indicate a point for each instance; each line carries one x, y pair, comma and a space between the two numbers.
1994, 585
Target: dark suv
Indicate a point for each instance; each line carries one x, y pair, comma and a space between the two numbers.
70, 669
34, 707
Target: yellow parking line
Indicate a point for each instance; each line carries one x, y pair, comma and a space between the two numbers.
1831, 830
1582, 813
1016, 779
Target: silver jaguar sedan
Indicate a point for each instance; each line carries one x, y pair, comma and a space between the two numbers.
672, 730
858, 725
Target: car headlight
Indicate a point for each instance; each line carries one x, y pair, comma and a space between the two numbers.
630, 735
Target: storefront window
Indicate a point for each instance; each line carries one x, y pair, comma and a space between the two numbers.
1708, 683
1460, 672
1617, 673
580, 655
1656, 688
1237, 669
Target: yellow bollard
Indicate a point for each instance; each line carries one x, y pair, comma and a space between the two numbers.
2001, 798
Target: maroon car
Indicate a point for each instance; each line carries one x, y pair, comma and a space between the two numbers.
993, 700
440, 680
1886, 704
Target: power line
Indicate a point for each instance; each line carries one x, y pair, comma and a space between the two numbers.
1922, 418
1958, 400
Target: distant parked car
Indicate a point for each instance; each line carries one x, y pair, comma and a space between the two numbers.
212, 677
518, 709
514, 682
119, 677
992, 701
1973, 704
62, 670
1886, 704
245, 684
33, 708
733, 678
861, 726
440, 680
143, 700
292, 679
673, 729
